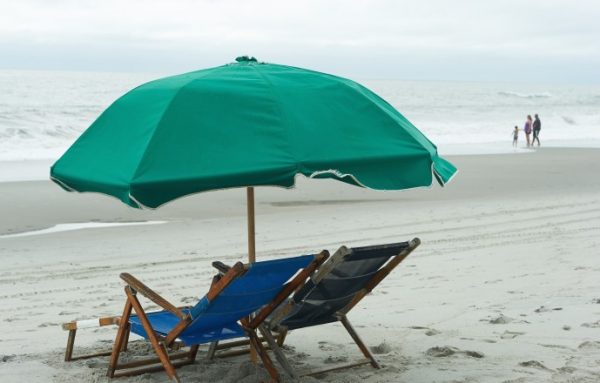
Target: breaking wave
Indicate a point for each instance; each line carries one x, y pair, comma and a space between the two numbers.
525, 95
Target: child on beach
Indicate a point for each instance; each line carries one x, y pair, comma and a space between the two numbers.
515, 136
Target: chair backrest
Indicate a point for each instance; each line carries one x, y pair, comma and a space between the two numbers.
247, 293
338, 282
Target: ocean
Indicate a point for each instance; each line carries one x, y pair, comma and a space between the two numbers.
43, 112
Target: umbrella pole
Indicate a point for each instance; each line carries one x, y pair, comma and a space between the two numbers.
251, 246
251, 230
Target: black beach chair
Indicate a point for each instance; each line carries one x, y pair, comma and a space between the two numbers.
332, 291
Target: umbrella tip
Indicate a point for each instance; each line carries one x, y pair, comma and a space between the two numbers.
245, 59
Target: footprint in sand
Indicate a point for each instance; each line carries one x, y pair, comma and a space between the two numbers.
556, 346
595, 324
67, 313
589, 345
445, 351
428, 332
440, 352
47, 324
511, 334
326, 346
299, 358
382, 348
7, 358
335, 359
566, 369
543, 309
534, 364
500, 319
94, 364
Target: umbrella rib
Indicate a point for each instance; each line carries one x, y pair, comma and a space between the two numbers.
282, 114
153, 135
405, 122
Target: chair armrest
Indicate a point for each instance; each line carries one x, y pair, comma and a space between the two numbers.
223, 268
86, 323
219, 284
152, 295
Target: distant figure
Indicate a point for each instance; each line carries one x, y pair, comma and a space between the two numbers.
537, 126
527, 130
515, 136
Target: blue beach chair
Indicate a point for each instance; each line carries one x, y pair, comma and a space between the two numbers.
223, 313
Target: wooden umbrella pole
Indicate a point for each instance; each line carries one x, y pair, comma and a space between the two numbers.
251, 230
251, 247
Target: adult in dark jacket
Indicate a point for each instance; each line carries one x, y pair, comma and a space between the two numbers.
537, 126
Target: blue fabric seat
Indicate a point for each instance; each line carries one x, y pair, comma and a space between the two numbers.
218, 319
163, 321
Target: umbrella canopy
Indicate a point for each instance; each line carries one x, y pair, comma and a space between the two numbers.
246, 124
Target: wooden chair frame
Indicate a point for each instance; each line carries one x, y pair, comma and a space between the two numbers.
72, 328
161, 344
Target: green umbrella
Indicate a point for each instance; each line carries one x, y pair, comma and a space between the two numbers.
246, 124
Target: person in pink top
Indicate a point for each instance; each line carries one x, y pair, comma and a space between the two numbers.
527, 130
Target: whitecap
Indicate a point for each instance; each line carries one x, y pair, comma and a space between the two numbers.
525, 95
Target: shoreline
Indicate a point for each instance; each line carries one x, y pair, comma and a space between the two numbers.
13, 170
17, 198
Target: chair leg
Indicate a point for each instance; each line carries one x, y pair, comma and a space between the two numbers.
163, 355
212, 349
193, 353
281, 337
277, 351
159, 347
126, 340
262, 353
119, 339
363, 348
70, 345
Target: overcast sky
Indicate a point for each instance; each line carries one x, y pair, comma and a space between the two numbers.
506, 40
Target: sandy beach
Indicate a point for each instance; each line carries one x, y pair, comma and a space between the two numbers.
504, 287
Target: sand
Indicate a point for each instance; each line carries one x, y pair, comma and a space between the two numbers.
504, 287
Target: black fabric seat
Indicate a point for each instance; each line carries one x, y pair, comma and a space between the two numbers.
317, 303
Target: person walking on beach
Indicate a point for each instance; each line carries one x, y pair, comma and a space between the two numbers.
515, 136
537, 126
527, 130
